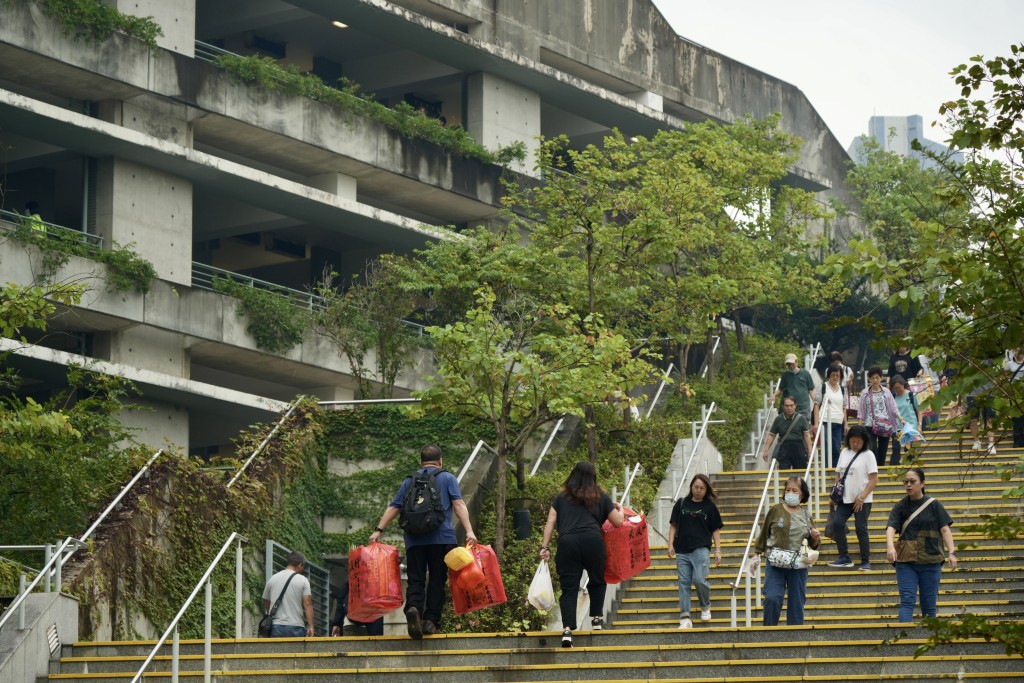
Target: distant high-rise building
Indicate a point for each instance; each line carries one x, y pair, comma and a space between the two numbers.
896, 133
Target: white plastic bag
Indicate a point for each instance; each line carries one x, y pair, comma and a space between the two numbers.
542, 593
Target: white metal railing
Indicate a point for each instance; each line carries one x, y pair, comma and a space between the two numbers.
54, 564
263, 444
547, 445
711, 357
11, 220
812, 355
368, 401
697, 443
628, 477
117, 499
206, 580
472, 456
661, 387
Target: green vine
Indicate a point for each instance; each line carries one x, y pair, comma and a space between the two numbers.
126, 270
274, 321
268, 74
94, 21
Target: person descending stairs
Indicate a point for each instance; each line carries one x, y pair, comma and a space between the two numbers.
851, 631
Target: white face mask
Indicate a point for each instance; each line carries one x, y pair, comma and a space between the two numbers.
792, 499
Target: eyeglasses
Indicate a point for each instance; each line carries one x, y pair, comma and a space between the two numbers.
910, 482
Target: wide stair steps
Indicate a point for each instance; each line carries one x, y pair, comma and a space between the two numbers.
851, 632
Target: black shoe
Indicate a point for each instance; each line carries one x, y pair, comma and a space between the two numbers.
429, 628
566, 638
412, 618
597, 623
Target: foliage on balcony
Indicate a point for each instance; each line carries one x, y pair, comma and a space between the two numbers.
94, 21
268, 74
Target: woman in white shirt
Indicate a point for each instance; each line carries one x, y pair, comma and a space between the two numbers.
832, 400
1014, 364
860, 482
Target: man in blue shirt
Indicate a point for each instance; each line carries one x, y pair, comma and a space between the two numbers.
424, 553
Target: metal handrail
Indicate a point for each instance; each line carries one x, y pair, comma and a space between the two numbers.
547, 445
208, 625
711, 357
771, 476
661, 387
52, 230
266, 440
203, 277
369, 401
117, 499
697, 438
769, 417
55, 562
472, 456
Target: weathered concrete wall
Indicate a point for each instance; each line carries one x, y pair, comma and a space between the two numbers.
25, 655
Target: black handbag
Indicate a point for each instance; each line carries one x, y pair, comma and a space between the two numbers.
266, 624
840, 486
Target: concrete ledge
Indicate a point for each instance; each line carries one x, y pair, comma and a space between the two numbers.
25, 655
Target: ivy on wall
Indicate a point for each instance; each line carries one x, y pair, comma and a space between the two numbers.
126, 270
275, 322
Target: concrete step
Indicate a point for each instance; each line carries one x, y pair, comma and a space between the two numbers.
701, 654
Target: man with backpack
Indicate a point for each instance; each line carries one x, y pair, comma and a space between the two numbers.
424, 504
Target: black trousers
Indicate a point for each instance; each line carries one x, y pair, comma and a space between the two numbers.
792, 455
577, 552
428, 577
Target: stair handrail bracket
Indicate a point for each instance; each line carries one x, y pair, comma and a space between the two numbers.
172, 628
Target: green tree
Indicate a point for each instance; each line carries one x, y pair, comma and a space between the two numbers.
520, 363
961, 280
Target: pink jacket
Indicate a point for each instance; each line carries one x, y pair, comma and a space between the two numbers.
864, 411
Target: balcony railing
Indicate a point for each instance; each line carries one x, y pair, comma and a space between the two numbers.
12, 221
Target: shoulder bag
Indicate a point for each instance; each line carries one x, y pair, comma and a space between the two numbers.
780, 558
906, 551
267, 622
840, 486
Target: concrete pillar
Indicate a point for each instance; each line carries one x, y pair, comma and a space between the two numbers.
648, 99
177, 19
150, 349
336, 183
141, 206
500, 113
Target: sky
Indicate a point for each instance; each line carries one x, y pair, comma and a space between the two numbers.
859, 58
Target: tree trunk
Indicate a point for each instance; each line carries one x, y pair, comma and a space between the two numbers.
588, 416
726, 353
499, 522
741, 340
684, 356
520, 470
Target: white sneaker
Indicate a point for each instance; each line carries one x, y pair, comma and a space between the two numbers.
976, 446
705, 614
991, 449
685, 623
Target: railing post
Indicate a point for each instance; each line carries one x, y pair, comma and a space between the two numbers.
58, 569
238, 590
47, 554
175, 652
21, 608
207, 630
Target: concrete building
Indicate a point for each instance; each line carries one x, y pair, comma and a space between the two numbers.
897, 134
202, 173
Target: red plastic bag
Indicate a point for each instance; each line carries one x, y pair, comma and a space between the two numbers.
374, 582
628, 552
469, 593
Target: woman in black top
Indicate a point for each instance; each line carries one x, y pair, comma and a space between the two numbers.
579, 511
694, 524
920, 572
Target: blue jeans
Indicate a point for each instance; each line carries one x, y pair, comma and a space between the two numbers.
912, 578
837, 441
843, 512
285, 631
693, 568
775, 583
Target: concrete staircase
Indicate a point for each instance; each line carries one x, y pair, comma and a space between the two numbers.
851, 618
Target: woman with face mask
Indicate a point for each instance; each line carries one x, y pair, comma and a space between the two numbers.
786, 526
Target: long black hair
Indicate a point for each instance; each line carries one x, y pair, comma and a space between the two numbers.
581, 485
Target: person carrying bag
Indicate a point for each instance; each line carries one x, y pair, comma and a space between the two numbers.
266, 624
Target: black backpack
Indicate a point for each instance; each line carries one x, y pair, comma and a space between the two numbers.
422, 510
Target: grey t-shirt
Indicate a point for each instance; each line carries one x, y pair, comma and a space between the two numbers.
291, 612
